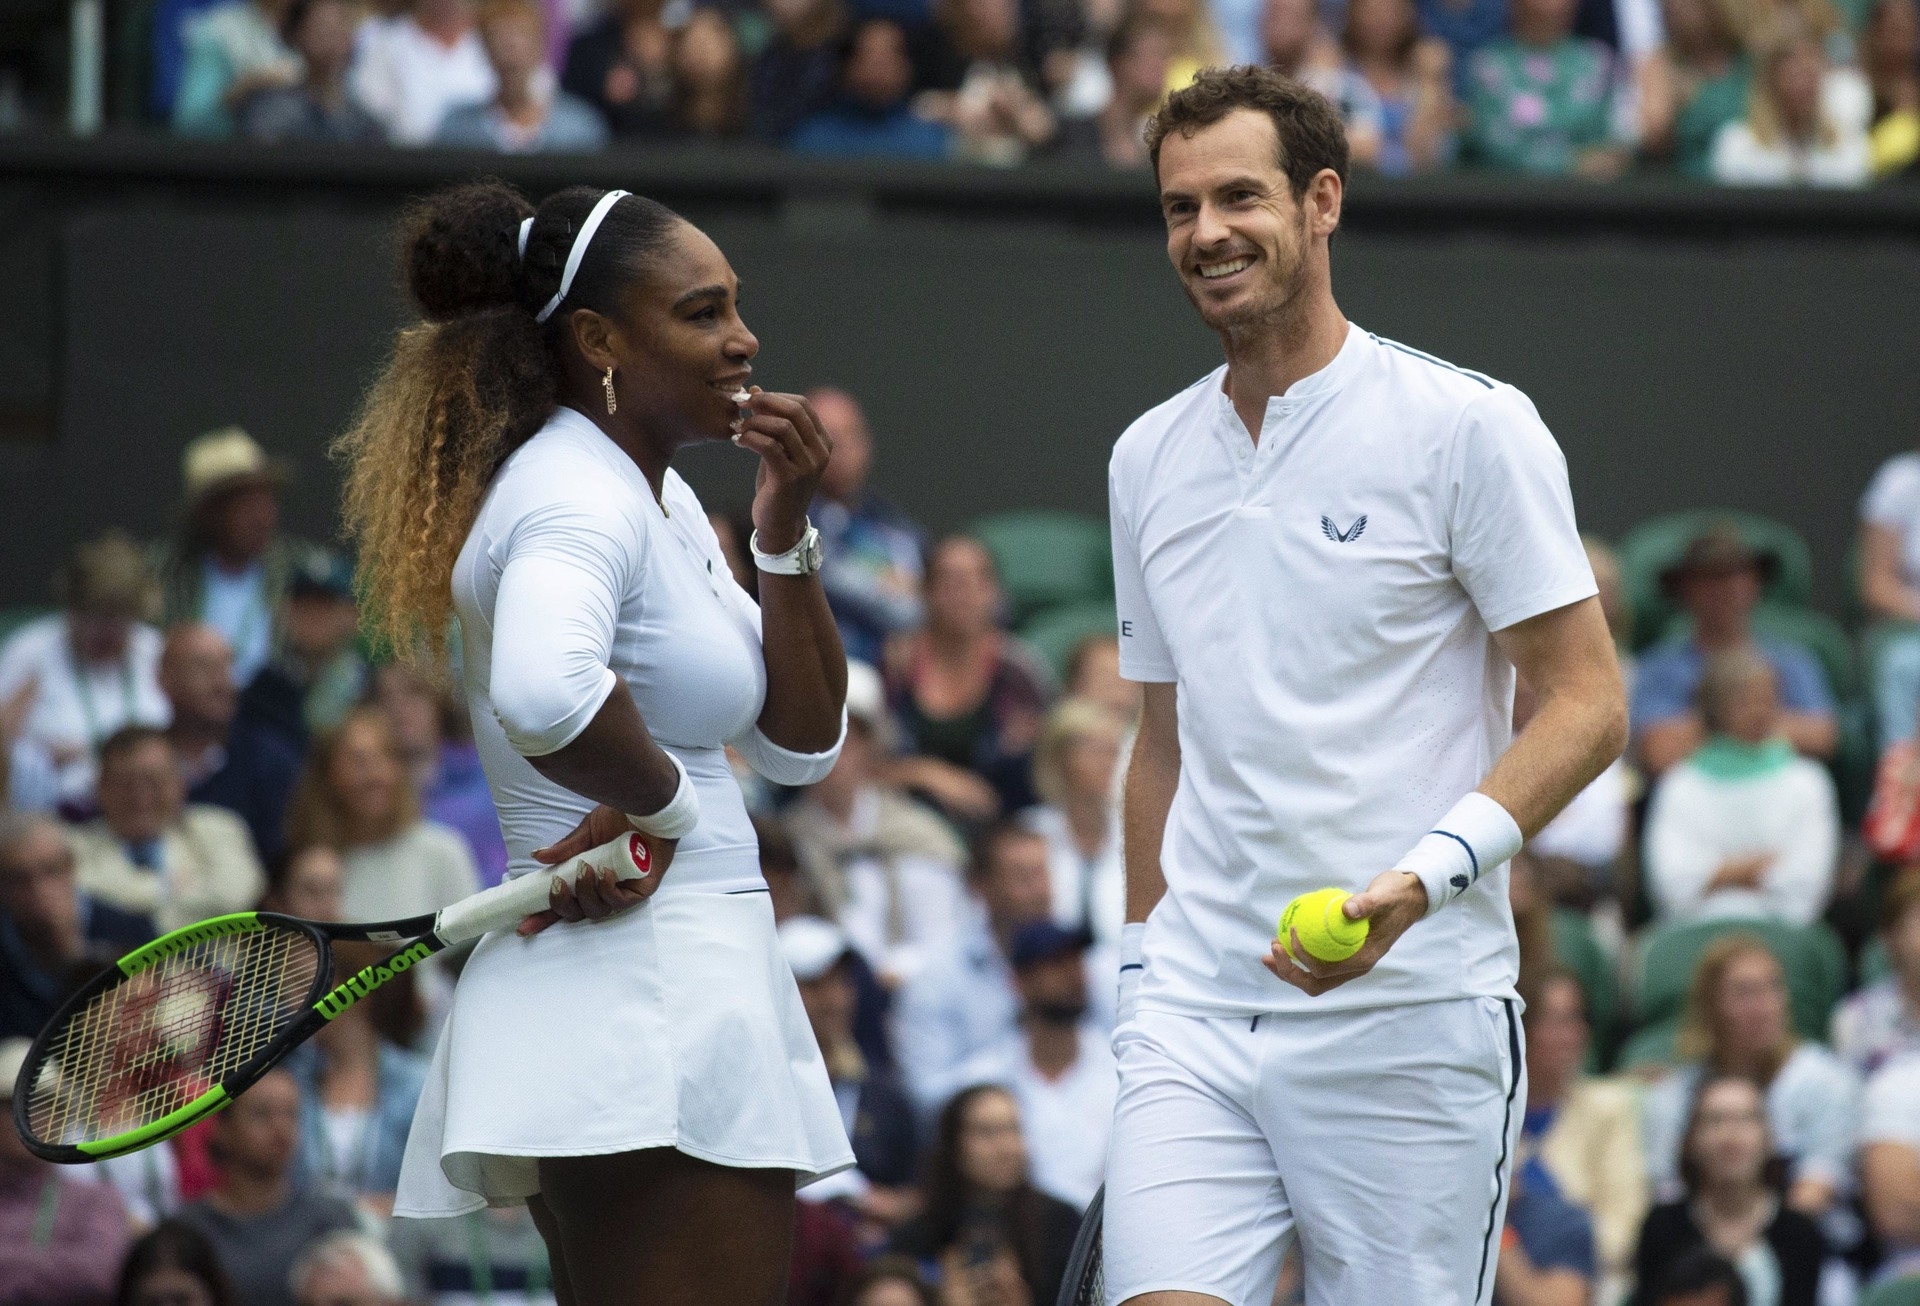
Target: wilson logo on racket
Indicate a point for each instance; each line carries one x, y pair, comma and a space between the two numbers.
370, 978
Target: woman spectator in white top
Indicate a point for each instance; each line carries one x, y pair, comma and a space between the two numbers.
1736, 1024
1882, 1019
649, 1083
1793, 133
1073, 764
355, 795
72, 679
1745, 826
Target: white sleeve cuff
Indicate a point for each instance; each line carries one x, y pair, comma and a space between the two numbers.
1477, 836
783, 766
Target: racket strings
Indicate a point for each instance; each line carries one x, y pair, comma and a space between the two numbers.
164, 1037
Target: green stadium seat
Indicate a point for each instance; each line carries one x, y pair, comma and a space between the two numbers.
1904, 1291
1055, 633
1578, 948
1650, 1046
1047, 559
11, 619
1813, 958
1875, 965
1652, 546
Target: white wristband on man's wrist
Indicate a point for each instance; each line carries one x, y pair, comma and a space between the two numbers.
1472, 839
682, 812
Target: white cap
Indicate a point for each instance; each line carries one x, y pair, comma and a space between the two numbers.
812, 946
13, 1055
866, 696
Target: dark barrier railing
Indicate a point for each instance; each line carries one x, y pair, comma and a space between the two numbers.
755, 177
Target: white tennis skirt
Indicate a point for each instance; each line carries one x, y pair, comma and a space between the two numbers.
676, 1024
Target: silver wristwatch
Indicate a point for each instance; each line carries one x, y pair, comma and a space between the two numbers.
803, 559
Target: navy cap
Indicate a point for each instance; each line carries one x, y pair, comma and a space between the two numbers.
1039, 941
322, 572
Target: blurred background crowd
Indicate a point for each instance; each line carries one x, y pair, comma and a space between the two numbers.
1741, 92
1719, 940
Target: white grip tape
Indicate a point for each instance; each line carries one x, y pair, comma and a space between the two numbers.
506, 905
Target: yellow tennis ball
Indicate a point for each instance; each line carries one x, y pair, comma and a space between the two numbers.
1325, 932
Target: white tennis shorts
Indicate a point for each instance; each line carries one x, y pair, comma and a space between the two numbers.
1382, 1139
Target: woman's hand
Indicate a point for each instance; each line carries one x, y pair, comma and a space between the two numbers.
597, 895
793, 449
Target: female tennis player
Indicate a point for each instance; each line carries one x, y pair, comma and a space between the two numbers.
643, 1076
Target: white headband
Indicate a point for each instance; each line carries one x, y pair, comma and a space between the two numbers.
526, 229
577, 252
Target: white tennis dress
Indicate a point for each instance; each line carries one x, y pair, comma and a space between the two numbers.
677, 1023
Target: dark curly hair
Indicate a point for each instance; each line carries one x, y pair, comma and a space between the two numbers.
472, 382
1312, 137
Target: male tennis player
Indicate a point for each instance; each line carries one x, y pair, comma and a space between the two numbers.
1331, 555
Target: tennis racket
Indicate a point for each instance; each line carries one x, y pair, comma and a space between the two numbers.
1085, 1283
179, 1028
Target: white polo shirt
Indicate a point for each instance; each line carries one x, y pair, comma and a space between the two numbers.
1324, 601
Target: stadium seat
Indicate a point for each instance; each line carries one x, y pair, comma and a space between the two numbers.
1875, 965
1055, 633
1578, 948
1654, 545
1651, 1046
1903, 1291
1047, 559
1812, 957
11, 619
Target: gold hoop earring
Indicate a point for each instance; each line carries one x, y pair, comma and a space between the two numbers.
612, 403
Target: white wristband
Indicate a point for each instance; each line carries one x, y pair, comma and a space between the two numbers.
1472, 839
682, 812
1133, 943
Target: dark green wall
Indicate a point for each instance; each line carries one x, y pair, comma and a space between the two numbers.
1687, 348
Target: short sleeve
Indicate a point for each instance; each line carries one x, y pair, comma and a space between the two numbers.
1663, 685
1803, 685
1143, 651
568, 567
1515, 546
1893, 495
1891, 1112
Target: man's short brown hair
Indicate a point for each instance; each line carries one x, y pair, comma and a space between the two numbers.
1312, 136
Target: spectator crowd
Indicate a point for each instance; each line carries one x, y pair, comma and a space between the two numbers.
1740, 92
1719, 940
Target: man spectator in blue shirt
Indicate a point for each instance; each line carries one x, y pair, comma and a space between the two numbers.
237, 764
1718, 582
1546, 1252
53, 938
873, 552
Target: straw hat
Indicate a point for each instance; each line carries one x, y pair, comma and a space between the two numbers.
224, 459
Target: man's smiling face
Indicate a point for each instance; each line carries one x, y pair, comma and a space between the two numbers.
1235, 232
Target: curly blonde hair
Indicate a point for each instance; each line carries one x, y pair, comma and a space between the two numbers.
468, 385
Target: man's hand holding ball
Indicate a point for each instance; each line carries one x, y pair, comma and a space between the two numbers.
1327, 937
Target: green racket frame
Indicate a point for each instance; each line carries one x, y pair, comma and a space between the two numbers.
324, 1000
